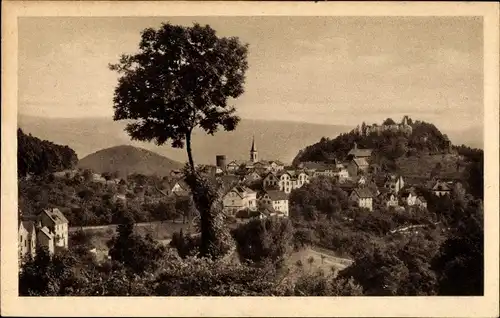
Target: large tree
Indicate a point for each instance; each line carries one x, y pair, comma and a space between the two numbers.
181, 78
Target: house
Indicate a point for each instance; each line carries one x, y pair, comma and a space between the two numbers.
49, 230
45, 238
229, 181
421, 202
278, 200
409, 197
357, 166
251, 176
392, 200
363, 197
323, 169
239, 198
57, 224
356, 152
172, 186
311, 166
276, 165
394, 183
441, 188
302, 178
271, 181
342, 173
285, 181
235, 165
27, 239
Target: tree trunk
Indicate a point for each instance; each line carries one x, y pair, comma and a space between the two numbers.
189, 152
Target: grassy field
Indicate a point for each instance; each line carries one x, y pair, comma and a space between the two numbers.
300, 262
159, 231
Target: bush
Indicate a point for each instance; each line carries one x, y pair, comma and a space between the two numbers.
269, 239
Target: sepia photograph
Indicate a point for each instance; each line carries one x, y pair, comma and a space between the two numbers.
251, 155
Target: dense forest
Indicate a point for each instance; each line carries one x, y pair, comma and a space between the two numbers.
39, 157
387, 145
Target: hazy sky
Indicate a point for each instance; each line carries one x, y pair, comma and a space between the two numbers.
330, 70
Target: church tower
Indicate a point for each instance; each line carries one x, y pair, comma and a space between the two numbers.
254, 156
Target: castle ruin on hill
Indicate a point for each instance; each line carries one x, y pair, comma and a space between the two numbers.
404, 127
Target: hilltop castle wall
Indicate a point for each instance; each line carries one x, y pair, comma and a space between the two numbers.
403, 127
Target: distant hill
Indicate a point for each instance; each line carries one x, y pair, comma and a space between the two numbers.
126, 160
279, 140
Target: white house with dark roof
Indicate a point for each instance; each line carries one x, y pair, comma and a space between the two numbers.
239, 198
57, 224
49, 229
288, 180
363, 197
409, 197
27, 239
392, 200
278, 200
45, 238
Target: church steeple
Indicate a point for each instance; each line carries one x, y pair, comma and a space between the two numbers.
253, 151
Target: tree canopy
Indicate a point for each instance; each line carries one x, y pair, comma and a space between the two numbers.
41, 157
181, 78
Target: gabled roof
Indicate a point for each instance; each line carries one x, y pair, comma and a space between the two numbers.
422, 199
311, 165
360, 152
363, 192
269, 173
279, 163
45, 231
267, 210
282, 172
242, 190
347, 185
360, 162
239, 162
384, 192
56, 216
29, 226
276, 195
441, 186
181, 193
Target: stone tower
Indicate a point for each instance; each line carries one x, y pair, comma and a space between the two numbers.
254, 155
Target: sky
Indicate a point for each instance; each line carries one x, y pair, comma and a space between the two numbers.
326, 70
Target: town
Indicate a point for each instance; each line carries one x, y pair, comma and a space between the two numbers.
209, 166
255, 189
